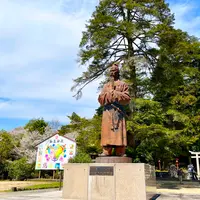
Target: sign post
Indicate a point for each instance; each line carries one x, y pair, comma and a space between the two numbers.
60, 174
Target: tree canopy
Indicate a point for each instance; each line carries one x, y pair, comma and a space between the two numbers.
122, 31
36, 125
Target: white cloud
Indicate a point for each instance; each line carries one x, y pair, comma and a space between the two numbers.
38, 47
38, 34
186, 17
3, 104
39, 42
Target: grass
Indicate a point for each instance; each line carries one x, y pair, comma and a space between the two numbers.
43, 180
30, 185
42, 186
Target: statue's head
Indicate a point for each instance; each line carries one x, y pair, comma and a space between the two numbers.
114, 71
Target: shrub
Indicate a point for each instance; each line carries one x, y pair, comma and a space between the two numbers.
20, 169
81, 158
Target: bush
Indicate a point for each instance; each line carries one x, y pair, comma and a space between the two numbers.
20, 169
81, 158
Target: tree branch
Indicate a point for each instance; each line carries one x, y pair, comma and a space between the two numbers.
95, 76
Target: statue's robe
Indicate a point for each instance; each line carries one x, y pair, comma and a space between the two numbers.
113, 97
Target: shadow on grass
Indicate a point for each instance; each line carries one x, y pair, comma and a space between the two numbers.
168, 186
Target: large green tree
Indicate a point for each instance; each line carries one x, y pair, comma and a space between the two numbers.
123, 31
176, 83
179, 55
160, 64
154, 138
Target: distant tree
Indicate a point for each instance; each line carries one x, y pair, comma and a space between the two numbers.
28, 142
20, 169
87, 130
36, 125
99, 110
75, 121
54, 124
6, 146
7, 143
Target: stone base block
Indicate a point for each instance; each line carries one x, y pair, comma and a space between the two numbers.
111, 181
113, 159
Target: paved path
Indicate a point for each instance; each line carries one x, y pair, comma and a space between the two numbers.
178, 197
57, 195
179, 191
179, 194
32, 195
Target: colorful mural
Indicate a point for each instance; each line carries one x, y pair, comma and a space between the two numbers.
54, 152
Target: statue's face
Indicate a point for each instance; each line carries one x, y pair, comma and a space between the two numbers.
114, 71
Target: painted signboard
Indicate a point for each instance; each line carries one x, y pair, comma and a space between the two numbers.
54, 152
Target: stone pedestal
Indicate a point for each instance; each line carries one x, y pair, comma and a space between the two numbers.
113, 159
109, 181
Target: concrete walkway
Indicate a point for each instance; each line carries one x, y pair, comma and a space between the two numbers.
179, 194
32, 195
178, 197
179, 191
54, 194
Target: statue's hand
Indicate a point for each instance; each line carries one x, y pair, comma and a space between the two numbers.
108, 99
115, 96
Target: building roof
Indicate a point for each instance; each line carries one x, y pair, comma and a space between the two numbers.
56, 133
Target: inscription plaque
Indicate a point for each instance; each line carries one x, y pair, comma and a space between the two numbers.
101, 171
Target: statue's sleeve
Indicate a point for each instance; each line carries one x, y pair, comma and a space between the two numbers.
122, 96
105, 96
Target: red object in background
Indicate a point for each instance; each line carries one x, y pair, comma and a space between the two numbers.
177, 163
159, 166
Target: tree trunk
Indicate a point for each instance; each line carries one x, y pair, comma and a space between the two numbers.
132, 68
131, 63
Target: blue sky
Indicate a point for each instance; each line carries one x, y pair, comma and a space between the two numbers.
38, 50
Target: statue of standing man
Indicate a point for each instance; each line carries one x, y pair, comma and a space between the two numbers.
113, 96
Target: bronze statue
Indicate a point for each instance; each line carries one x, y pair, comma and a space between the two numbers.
113, 96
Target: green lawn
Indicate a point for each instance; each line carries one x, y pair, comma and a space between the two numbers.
28, 185
43, 186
